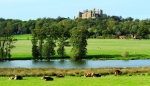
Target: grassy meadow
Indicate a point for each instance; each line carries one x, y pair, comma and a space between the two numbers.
80, 81
97, 48
74, 77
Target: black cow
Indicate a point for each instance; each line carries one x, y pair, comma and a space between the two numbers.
16, 77
47, 78
96, 75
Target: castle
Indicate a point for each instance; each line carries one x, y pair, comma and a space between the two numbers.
90, 14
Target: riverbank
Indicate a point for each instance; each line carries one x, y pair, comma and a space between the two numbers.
28, 72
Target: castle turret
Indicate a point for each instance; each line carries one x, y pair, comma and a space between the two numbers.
79, 14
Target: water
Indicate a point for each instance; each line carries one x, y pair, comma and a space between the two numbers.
74, 64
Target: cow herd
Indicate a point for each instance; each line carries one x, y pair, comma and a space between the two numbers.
49, 78
16, 77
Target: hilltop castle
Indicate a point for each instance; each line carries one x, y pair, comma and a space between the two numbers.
90, 14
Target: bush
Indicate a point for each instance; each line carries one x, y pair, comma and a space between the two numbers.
125, 54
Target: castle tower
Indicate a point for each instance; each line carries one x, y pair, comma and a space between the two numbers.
79, 14
91, 13
100, 12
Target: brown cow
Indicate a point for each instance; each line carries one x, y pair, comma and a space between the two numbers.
47, 78
121, 37
60, 76
118, 72
89, 75
16, 77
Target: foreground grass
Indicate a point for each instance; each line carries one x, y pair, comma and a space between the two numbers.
110, 80
74, 77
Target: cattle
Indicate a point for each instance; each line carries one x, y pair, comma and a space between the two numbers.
121, 37
47, 78
16, 77
96, 75
89, 75
92, 75
11, 78
118, 72
60, 76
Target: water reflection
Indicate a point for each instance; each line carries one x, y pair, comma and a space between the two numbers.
79, 63
74, 64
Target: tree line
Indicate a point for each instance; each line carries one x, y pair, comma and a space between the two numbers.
49, 32
101, 27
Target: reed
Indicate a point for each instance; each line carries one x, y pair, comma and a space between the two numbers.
71, 71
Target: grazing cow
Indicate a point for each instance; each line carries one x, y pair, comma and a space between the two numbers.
11, 78
60, 76
121, 37
16, 77
47, 78
118, 72
92, 75
96, 75
89, 75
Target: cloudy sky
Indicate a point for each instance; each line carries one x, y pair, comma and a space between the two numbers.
33, 9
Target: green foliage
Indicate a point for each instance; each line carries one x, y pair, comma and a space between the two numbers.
35, 51
48, 48
6, 42
75, 54
61, 49
102, 26
125, 54
79, 43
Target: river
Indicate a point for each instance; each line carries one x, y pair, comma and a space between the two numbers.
74, 64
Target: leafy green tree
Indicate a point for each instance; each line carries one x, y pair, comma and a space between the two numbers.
51, 35
35, 51
40, 35
62, 37
61, 49
48, 48
79, 42
6, 43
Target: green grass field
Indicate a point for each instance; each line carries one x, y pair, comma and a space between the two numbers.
110, 80
103, 48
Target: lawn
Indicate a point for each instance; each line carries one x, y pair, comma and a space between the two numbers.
110, 80
96, 47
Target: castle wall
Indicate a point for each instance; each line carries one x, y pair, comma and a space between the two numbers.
90, 14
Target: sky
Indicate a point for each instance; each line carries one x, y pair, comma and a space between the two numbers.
34, 9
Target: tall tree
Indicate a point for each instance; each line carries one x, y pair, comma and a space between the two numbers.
48, 48
51, 34
40, 34
35, 51
79, 42
6, 43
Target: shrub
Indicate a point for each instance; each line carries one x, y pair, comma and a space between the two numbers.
125, 54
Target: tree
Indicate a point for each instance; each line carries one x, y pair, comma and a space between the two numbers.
40, 35
6, 43
61, 49
62, 37
35, 51
79, 42
51, 35
48, 48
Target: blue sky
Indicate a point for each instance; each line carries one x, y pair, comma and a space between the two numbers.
33, 9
